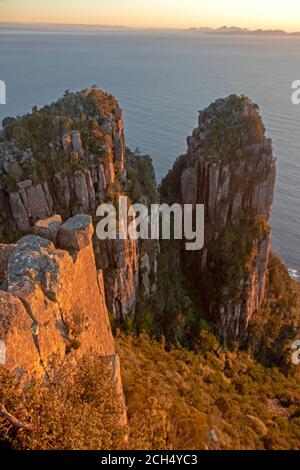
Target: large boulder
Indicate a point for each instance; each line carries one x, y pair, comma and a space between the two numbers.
76, 233
48, 228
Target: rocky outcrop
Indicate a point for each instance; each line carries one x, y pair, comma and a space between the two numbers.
48, 228
59, 289
71, 173
52, 306
119, 261
229, 167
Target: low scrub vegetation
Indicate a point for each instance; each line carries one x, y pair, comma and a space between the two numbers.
212, 399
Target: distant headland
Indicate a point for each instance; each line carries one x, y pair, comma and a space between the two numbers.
232, 30
68, 27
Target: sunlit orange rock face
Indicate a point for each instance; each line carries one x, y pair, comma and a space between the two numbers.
54, 301
52, 307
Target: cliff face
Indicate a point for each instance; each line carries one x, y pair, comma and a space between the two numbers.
70, 156
65, 159
52, 302
229, 167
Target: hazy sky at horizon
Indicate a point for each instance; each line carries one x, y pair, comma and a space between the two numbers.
283, 14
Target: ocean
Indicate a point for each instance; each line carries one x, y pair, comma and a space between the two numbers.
161, 79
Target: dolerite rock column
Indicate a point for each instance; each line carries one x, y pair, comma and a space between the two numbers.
229, 167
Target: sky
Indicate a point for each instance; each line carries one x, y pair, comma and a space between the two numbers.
282, 14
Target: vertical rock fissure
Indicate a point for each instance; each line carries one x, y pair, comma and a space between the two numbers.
35, 333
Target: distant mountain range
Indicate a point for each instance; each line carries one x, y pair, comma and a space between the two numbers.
235, 30
232, 30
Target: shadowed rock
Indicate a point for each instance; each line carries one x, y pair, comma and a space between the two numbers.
229, 167
48, 228
5, 253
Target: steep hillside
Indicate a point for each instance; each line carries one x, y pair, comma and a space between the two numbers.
209, 399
